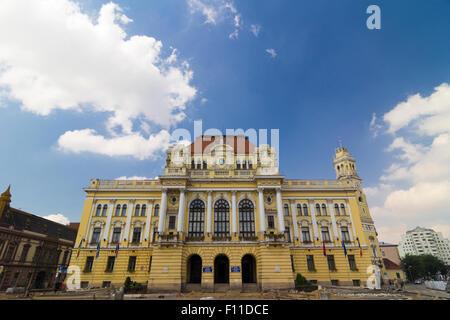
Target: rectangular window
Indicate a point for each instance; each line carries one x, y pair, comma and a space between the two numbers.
286, 210
270, 222
172, 220
306, 237
110, 264
352, 262
136, 235
331, 264
66, 255
89, 263
116, 235
131, 264
84, 284
288, 234
356, 283
25, 250
325, 234
310, 263
334, 282
106, 284
292, 263
96, 235
313, 281
345, 234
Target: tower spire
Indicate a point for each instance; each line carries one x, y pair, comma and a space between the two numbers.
5, 200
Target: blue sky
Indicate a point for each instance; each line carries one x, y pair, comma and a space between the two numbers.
331, 78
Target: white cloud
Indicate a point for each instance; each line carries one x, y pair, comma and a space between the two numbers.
415, 189
219, 11
255, 29
59, 218
374, 126
133, 144
272, 52
63, 59
234, 34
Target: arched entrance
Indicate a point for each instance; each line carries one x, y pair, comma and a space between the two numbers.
248, 269
194, 269
221, 269
40, 279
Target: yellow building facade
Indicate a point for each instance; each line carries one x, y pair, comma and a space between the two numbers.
222, 217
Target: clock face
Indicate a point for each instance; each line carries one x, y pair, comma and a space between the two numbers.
221, 161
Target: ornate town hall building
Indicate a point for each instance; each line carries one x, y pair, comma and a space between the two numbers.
223, 217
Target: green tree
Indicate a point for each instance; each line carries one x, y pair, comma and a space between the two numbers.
422, 266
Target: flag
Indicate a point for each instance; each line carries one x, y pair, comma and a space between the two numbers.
360, 250
79, 247
98, 250
324, 248
117, 249
345, 249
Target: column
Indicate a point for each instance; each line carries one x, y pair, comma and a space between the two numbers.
108, 219
181, 206
163, 209
147, 220
94, 204
209, 212
262, 214
333, 221
234, 213
280, 212
347, 205
314, 222
294, 219
126, 232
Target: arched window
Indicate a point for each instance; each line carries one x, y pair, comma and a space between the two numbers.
286, 209
343, 209
124, 210
156, 210
299, 209
196, 218
244, 164
238, 164
336, 209
192, 164
250, 164
318, 209
199, 165
105, 209
136, 212
324, 209
305, 210
117, 210
221, 218
97, 213
246, 218
143, 211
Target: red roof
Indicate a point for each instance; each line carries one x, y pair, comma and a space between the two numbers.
390, 264
240, 144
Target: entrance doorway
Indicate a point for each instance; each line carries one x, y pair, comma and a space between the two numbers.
40, 280
248, 269
194, 269
221, 269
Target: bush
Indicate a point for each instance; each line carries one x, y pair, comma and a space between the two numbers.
300, 280
132, 286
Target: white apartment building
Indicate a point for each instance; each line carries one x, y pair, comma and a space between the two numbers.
425, 241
